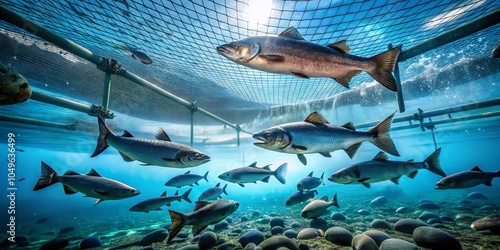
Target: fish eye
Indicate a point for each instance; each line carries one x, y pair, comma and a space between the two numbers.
236, 46
227, 174
14, 77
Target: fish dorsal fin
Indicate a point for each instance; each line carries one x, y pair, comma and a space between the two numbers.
200, 204
349, 126
162, 135
71, 172
267, 167
324, 198
127, 134
253, 165
189, 171
291, 32
310, 174
218, 185
164, 194
381, 156
92, 172
477, 169
340, 46
316, 118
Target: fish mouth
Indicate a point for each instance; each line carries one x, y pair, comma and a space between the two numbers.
262, 140
223, 50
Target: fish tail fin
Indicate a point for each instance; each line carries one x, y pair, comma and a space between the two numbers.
335, 201
381, 137
205, 176
224, 189
280, 173
185, 196
101, 140
48, 177
385, 63
178, 222
432, 163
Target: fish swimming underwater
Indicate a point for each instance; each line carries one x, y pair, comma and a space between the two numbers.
310, 182
317, 135
14, 88
300, 196
467, 179
204, 214
154, 204
186, 179
252, 174
91, 184
213, 193
160, 152
139, 55
289, 53
318, 207
381, 169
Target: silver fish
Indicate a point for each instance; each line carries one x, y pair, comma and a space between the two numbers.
300, 196
289, 53
139, 55
186, 179
91, 184
318, 207
213, 193
160, 152
317, 135
14, 88
310, 182
204, 214
381, 169
252, 174
467, 179
154, 204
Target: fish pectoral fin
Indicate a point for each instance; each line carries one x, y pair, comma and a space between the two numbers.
158, 209
299, 148
169, 159
351, 151
300, 75
302, 159
413, 174
367, 185
125, 157
363, 179
488, 182
326, 154
198, 229
241, 184
98, 201
168, 205
266, 179
344, 80
272, 58
102, 193
340, 46
396, 180
68, 190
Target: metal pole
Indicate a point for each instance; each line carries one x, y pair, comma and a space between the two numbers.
238, 129
399, 93
65, 103
192, 126
35, 122
107, 90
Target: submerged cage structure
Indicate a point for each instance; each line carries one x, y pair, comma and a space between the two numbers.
71, 50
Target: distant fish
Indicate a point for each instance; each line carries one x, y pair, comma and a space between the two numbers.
289, 53
496, 52
156, 203
467, 179
317, 135
91, 184
310, 182
139, 55
318, 207
20, 150
14, 88
42, 220
252, 174
160, 152
213, 193
381, 169
300, 196
22, 179
66, 230
156, 236
204, 214
186, 179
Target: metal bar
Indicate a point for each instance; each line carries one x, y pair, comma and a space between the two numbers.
399, 93
107, 90
192, 126
452, 35
18, 20
5, 118
65, 103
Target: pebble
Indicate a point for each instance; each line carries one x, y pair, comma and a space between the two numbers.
380, 224
227, 246
434, 221
54, 244
251, 236
339, 236
338, 216
397, 244
90, 242
309, 233
277, 230
182, 235
402, 210
408, 225
491, 223
435, 239
438, 225
363, 242
319, 223
263, 220
189, 247
446, 218
394, 219
476, 196
276, 242
425, 215
292, 234
303, 246
377, 236
244, 219
379, 201
255, 214
296, 225
364, 212
277, 221
252, 246
429, 205
207, 240
222, 225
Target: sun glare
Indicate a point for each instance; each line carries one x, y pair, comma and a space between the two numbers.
258, 11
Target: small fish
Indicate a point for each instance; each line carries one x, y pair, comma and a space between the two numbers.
300, 196
467, 179
139, 55
20, 150
154, 204
317, 135
204, 214
42, 220
252, 174
213, 193
381, 169
310, 182
289, 53
496, 52
160, 152
14, 88
22, 179
186, 179
91, 184
318, 207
